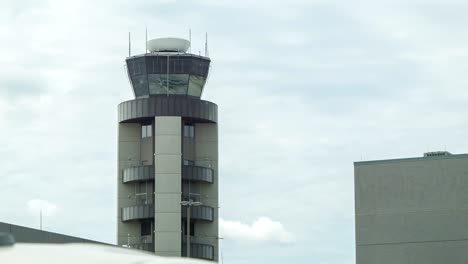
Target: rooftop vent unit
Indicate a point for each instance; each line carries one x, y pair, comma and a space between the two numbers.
437, 153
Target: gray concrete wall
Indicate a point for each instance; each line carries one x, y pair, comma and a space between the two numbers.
206, 151
129, 155
412, 211
168, 180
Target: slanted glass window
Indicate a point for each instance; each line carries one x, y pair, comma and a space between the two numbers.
195, 86
156, 85
189, 131
145, 131
140, 85
168, 84
136, 67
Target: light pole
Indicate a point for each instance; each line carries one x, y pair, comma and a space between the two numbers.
189, 204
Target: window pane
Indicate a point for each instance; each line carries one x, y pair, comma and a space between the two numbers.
140, 85
178, 83
148, 131
189, 131
136, 67
195, 86
158, 84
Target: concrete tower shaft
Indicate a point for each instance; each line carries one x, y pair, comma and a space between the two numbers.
168, 155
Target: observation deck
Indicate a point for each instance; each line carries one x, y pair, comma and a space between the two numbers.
168, 70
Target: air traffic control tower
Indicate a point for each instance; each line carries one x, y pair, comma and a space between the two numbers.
168, 155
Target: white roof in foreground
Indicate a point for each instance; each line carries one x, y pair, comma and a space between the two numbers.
168, 44
83, 253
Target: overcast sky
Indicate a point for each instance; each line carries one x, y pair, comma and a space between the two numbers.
304, 89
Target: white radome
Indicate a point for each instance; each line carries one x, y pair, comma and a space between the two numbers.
168, 44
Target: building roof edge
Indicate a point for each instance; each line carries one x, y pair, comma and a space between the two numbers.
453, 156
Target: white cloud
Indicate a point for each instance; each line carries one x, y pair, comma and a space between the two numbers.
263, 229
48, 208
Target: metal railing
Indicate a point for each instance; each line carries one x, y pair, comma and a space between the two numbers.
143, 198
140, 242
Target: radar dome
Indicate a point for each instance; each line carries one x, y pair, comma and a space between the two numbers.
168, 44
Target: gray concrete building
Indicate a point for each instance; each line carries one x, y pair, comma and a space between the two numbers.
168, 155
412, 211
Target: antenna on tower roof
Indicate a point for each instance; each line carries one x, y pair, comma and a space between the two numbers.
146, 40
206, 44
190, 40
129, 45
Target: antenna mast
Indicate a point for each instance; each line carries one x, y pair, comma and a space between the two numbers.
146, 40
206, 44
190, 40
129, 45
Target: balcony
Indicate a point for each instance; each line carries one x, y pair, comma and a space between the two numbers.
202, 212
197, 173
197, 250
139, 173
174, 105
189, 172
140, 211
